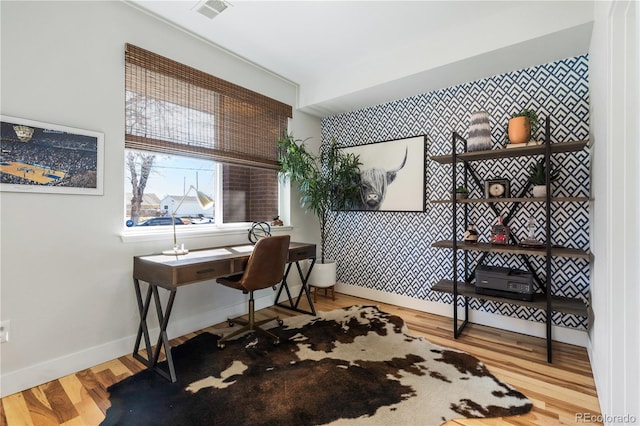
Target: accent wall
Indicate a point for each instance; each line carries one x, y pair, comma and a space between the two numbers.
391, 251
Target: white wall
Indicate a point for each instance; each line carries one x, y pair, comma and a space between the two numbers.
488, 38
65, 273
305, 126
615, 336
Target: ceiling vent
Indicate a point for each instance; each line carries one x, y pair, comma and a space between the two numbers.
211, 8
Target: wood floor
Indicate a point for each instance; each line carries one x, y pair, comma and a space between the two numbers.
560, 391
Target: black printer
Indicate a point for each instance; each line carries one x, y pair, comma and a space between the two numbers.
504, 282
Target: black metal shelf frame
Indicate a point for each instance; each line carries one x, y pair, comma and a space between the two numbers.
469, 173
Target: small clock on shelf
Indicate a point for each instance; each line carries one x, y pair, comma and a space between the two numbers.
496, 188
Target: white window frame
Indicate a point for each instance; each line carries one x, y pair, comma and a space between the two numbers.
193, 233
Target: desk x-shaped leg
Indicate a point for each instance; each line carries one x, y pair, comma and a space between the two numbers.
294, 306
151, 361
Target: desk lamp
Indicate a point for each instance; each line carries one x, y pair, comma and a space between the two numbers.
204, 201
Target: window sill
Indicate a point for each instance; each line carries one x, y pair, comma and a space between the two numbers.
187, 232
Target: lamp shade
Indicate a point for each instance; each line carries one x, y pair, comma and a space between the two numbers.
204, 200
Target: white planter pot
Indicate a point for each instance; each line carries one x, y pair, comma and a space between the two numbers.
540, 191
323, 274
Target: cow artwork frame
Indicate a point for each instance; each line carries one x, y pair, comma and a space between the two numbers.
48, 158
392, 175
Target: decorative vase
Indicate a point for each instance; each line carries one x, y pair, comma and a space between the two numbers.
539, 191
519, 130
531, 240
479, 132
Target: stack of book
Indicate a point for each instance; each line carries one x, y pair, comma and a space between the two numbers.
520, 145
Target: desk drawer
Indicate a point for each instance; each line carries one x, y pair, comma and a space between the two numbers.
301, 253
201, 272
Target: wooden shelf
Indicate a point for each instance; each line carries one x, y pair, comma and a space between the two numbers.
510, 248
511, 152
513, 200
565, 305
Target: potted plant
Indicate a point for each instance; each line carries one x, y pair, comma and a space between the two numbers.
461, 192
538, 177
328, 181
522, 125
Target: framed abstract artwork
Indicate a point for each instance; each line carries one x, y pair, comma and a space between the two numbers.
392, 175
48, 158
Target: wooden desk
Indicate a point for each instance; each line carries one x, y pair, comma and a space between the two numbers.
171, 272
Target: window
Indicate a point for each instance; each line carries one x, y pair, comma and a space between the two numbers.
185, 127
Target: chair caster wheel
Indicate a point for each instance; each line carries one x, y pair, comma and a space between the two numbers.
230, 323
276, 342
280, 322
220, 345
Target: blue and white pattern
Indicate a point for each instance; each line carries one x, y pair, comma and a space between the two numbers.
391, 251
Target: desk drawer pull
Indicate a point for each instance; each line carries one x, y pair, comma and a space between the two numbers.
206, 271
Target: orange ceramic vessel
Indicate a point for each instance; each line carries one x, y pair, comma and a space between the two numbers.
519, 130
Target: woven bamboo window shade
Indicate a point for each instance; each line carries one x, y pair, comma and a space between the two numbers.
175, 109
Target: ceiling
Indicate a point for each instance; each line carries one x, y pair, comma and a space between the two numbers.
346, 55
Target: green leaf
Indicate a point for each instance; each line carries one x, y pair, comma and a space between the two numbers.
329, 180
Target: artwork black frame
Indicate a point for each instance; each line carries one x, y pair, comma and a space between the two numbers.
49, 158
400, 166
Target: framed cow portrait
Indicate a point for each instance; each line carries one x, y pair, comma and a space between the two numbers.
392, 175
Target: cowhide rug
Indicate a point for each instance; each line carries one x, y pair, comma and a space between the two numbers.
355, 365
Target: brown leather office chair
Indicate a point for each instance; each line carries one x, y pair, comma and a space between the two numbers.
265, 268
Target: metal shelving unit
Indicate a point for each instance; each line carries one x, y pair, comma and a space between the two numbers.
546, 300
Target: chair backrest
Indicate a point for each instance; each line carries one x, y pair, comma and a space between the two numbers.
265, 267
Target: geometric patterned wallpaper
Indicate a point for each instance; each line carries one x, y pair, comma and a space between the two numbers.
391, 251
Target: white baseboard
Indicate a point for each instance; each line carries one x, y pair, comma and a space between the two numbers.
531, 328
34, 375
